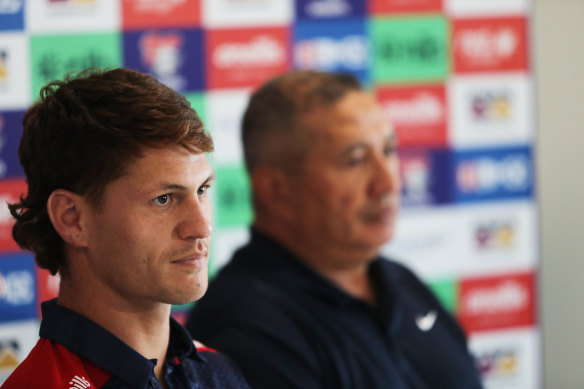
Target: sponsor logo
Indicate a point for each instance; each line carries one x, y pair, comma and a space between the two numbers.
17, 287
386, 6
153, 13
10, 6
350, 53
491, 106
262, 50
488, 175
233, 197
417, 113
4, 73
9, 352
328, 8
508, 296
489, 44
161, 54
498, 363
245, 58
413, 48
415, 172
495, 235
497, 302
10, 191
79, 383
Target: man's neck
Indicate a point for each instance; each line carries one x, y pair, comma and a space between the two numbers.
347, 270
145, 328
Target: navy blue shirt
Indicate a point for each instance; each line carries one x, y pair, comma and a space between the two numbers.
75, 352
288, 327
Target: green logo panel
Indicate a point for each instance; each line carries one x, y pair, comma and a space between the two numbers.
53, 56
409, 49
233, 204
197, 101
447, 293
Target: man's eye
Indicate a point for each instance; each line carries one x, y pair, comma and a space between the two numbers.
388, 150
162, 200
202, 191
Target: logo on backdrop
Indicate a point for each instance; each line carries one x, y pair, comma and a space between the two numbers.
493, 174
337, 46
389, 6
17, 288
245, 58
495, 235
328, 9
412, 48
492, 106
497, 302
418, 113
483, 45
498, 363
161, 54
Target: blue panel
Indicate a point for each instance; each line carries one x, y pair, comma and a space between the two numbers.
329, 9
426, 178
17, 287
337, 46
10, 134
493, 174
174, 56
11, 15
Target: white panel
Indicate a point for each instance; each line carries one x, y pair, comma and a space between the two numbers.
224, 111
508, 359
72, 16
491, 110
237, 13
486, 7
14, 71
16, 341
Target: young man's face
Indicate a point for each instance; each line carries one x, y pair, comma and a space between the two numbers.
149, 238
349, 187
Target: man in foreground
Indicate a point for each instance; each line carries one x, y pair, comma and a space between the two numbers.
308, 303
117, 205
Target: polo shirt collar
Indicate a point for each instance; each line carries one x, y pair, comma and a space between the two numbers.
280, 261
99, 346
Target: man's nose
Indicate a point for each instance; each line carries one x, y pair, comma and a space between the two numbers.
386, 177
195, 221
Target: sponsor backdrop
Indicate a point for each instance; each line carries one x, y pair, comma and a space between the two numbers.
453, 76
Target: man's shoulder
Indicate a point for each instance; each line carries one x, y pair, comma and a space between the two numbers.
50, 365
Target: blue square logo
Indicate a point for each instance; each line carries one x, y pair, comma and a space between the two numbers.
11, 15
173, 56
334, 46
17, 287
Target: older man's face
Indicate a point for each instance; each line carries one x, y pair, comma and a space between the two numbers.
349, 186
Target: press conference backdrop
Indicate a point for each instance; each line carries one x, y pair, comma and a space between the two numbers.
453, 76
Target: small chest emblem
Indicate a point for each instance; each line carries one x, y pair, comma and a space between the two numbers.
426, 322
79, 383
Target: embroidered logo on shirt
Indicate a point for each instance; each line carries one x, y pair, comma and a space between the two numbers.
79, 383
426, 322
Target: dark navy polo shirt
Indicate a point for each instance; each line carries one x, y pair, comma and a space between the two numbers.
287, 327
75, 352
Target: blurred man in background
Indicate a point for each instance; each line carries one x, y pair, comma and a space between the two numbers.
117, 205
308, 303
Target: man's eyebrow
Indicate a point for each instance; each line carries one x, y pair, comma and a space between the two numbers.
171, 186
389, 138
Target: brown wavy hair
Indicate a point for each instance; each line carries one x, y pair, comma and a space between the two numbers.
81, 135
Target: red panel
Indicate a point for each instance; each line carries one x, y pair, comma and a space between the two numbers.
499, 302
395, 6
10, 192
418, 113
246, 57
490, 45
140, 14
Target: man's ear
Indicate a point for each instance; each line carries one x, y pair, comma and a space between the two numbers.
272, 191
65, 211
